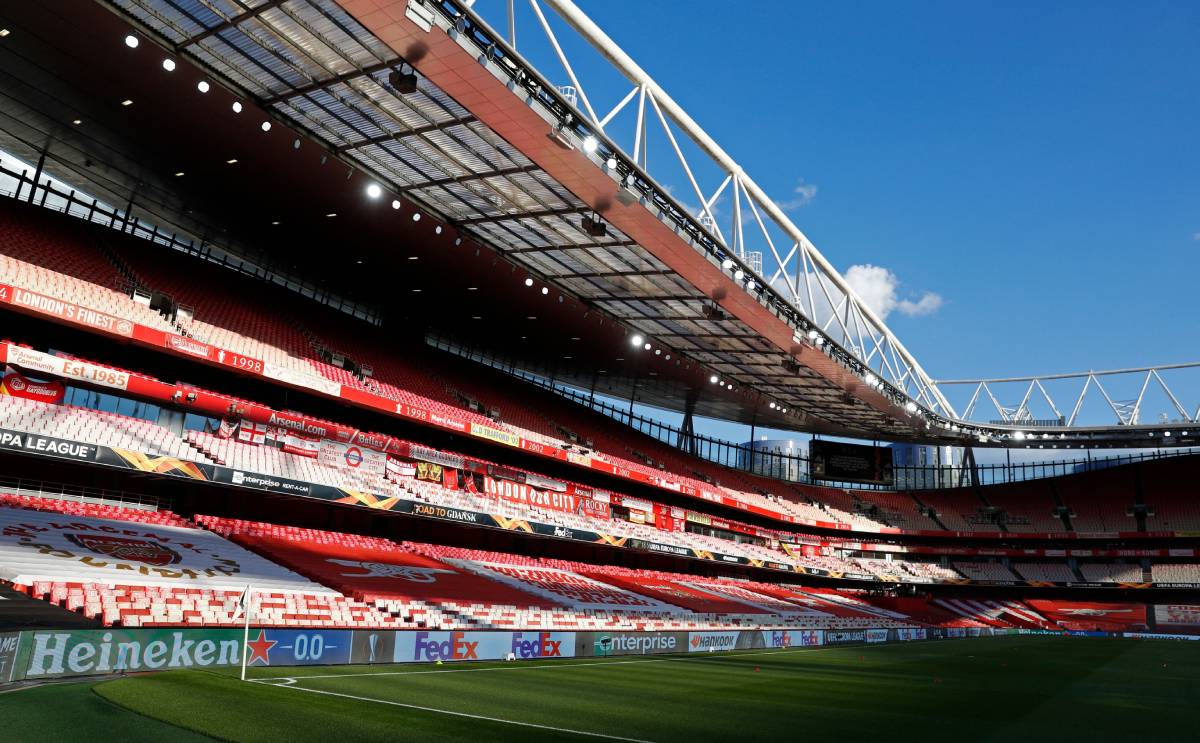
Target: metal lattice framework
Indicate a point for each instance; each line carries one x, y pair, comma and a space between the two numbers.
1032, 391
765, 246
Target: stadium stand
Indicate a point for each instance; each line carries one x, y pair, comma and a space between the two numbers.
1053, 572
984, 571
1111, 573
1176, 573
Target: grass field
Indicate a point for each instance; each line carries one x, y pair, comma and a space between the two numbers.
994, 689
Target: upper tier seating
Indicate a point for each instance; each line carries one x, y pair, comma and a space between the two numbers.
54, 256
1088, 616
1175, 573
1111, 573
984, 570
1054, 572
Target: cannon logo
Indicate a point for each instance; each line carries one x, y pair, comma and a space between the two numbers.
387, 570
455, 647
122, 548
541, 646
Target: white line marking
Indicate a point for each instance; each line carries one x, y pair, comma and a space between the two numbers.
457, 714
544, 665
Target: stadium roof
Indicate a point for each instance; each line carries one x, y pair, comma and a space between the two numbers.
312, 67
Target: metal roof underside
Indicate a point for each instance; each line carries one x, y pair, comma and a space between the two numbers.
316, 66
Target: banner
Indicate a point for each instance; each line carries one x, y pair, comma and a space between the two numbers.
429, 472
301, 446
250, 432
10, 642
349, 457
306, 647
14, 384
545, 483
64, 310
877, 635
78, 652
36, 444
448, 646
69, 369
495, 434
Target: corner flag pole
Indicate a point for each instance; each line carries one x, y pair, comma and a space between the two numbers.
246, 631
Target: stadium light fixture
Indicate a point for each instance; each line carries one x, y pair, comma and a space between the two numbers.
772, 406
202, 86
738, 275
404, 83
750, 285
784, 409
528, 281
871, 380
169, 64
636, 341
374, 191
266, 126
611, 163
417, 217
395, 203
590, 144
813, 334
77, 122
231, 161
179, 174
437, 230
237, 107
331, 215
727, 264
127, 102
713, 379
131, 41
647, 345
1019, 435
910, 406
545, 291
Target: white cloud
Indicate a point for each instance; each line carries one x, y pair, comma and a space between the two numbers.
879, 288
928, 304
802, 195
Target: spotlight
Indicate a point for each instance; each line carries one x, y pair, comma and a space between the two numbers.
636, 341
910, 406
727, 264
266, 126
403, 83
202, 86
713, 379
127, 102
750, 285
528, 282
237, 107
169, 64
738, 275
395, 203
594, 226
545, 291
871, 380
772, 406
437, 230
812, 335
646, 346
590, 144
417, 217
131, 41
374, 191
612, 163
784, 410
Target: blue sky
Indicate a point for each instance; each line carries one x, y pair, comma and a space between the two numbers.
1035, 165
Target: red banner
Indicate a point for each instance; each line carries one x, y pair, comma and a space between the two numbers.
16, 385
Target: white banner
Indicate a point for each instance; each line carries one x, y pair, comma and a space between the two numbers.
68, 369
350, 457
301, 446
311, 381
40, 545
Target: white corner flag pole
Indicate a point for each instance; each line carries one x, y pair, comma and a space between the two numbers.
246, 631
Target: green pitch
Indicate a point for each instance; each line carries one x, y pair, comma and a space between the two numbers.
996, 689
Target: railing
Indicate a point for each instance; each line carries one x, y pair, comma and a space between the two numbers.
79, 494
780, 465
